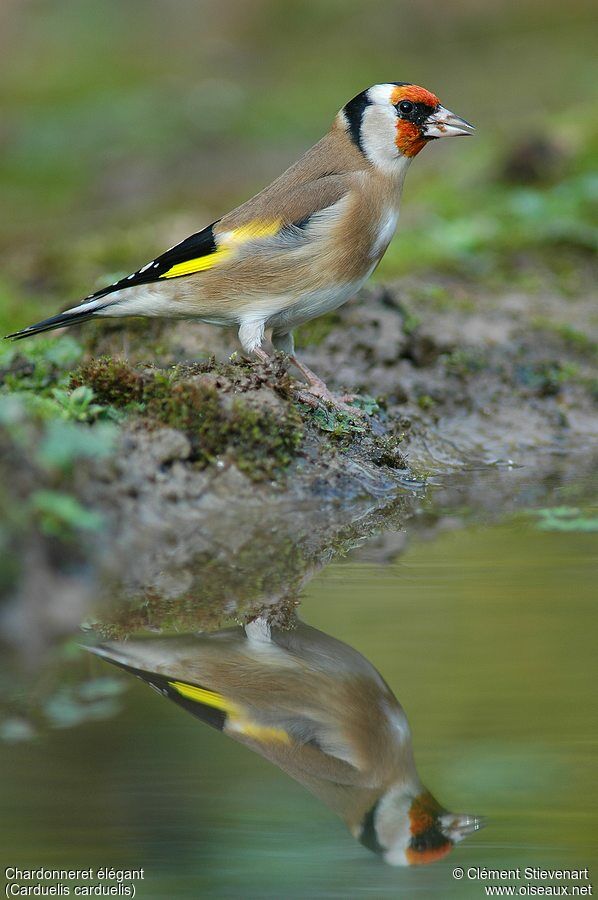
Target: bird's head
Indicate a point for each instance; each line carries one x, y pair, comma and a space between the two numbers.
393, 122
410, 830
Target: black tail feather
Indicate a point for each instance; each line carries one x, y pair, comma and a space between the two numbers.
66, 318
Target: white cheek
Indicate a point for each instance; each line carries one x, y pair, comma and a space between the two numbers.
378, 134
393, 826
396, 857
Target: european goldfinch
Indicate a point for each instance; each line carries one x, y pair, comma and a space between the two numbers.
317, 709
303, 245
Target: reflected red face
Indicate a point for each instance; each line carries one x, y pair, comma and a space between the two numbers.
409, 136
428, 842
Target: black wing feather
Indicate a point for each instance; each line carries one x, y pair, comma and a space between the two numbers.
202, 243
203, 711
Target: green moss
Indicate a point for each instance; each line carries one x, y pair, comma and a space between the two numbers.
39, 365
574, 338
590, 384
263, 442
334, 422
386, 452
410, 322
544, 377
140, 339
61, 515
426, 402
113, 381
260, 440
465, 361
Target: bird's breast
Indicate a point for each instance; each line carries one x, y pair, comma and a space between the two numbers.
314, 303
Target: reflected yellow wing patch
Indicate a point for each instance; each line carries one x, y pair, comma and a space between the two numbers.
228, 242
237, 721
201, 695
265, 734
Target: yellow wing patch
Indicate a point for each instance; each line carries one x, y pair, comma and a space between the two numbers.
197, 265
228, 242
237, 720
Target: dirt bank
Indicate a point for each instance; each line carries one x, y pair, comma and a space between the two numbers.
217, 484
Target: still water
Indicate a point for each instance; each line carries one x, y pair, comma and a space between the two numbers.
484, 630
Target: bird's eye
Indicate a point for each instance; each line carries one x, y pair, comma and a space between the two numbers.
405, 107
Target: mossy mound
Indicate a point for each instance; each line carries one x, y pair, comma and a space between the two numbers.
113, 381
252, 427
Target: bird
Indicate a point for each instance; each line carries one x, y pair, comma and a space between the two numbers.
316, 708
299, 248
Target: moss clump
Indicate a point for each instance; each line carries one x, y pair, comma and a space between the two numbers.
545, 378
465, 362
259, 439
262, 441
425, 402
386, 452
113, 381
192, 408
575, 339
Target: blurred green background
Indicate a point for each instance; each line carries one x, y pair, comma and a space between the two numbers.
126, 125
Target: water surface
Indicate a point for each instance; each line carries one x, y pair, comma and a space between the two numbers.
484, 627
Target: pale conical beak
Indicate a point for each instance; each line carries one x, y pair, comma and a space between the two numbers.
459, 827
444, 123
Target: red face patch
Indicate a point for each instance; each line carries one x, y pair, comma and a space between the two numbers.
423, 857
415, 93
409, 138
428, 842
424, 811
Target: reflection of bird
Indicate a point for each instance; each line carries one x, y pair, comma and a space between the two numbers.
303, 245
317, 709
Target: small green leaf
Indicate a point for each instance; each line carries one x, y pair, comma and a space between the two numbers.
61, 512
566, 518
66, 442
368, 404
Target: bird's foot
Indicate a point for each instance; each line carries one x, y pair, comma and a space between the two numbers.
316, 397
261, 355
316, 393
350, 398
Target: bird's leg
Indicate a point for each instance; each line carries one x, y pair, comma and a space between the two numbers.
251, 335
317, 386
317, 390
261, 355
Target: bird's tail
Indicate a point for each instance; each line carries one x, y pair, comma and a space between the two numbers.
81, 313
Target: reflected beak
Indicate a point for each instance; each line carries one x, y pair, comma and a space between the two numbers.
444, 123
459, 827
